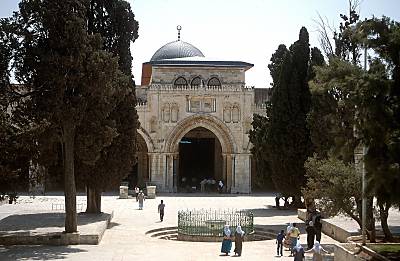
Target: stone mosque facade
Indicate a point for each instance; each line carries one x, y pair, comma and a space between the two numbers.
195, 115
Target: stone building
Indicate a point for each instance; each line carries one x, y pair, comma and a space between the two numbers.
195, 115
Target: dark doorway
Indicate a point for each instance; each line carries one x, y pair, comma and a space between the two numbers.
139, 174
199, 158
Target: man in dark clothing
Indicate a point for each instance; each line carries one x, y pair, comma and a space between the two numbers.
279, 242
318, 228
310, 235
161, 207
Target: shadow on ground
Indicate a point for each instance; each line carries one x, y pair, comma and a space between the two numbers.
112, 224
269, 211
28, 222
36, 252
277, 228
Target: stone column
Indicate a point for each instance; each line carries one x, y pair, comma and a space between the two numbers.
242, 173
140, 168
224, 166
228, 172
175, 169
150, 166
170, 172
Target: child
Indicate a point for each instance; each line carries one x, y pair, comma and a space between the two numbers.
279, 242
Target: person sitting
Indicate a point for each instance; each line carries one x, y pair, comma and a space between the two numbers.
220, 186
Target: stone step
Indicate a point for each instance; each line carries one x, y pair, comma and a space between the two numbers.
160, 229
163, 233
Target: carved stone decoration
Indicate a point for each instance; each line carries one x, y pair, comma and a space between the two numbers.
153, 124
166, 113
227, 113
180, 82
208, 105
174, 112
247, 125
235, 113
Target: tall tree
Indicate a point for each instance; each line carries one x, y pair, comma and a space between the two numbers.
288, 138
63, 70
380, 112
261, 125
112, 146
275, 67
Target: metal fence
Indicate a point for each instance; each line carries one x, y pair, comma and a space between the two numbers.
208, 222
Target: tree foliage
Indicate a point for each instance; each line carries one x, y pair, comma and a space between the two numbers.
354, 107
68, 81
336, 185
111, 137
288, 141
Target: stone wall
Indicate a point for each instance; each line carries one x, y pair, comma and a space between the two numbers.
165, 108
167, 75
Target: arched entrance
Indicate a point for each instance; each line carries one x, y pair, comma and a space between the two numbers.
140, 171
212, 128
200, 159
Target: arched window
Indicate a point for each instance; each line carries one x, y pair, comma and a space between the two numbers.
196, 82
214, 82
180, 82
235, 113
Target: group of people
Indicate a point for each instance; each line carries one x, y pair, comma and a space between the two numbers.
237, 237
291, 240
140, 198
211, 184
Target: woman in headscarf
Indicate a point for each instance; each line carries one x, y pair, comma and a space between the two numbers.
227, 242
141, 199
239, 237
287, 243
317, 251
298, 252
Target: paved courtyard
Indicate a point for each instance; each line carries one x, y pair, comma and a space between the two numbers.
126, 237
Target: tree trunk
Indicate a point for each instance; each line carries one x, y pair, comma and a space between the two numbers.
297, 202
98, 200
69, 178
93, 200
384, 214
371, 220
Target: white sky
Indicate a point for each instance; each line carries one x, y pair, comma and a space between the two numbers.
244, 30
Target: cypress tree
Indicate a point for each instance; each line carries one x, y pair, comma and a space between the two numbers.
288, 139
112, 143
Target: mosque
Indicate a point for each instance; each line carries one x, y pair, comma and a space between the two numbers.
195, 115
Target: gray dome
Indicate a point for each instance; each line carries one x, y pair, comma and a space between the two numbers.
176, 49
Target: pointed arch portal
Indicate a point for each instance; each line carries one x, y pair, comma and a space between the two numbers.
200, 147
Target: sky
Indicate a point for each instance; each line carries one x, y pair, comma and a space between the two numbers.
239, 30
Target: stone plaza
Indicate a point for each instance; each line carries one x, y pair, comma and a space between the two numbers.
127, 239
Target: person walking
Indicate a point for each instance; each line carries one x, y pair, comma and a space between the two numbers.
317, 251
136, 192
227, 241
279, 243
161, 207
140, 198
239, 238
310, 235
294, 235
298, 252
